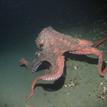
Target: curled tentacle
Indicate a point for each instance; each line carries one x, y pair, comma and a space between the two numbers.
54, 75
42, 56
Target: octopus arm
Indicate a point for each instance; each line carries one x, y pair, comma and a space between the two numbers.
54, 75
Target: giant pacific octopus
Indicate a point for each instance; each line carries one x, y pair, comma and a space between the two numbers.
52, 45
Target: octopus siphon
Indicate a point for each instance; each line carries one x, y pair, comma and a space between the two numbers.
52, 45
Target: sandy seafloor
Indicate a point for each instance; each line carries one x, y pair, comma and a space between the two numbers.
82, 87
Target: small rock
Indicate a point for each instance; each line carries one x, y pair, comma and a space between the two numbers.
65, 85
75, 67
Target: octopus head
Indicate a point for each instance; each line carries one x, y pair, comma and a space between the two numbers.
44, 38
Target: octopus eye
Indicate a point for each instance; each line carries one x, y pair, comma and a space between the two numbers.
41, 45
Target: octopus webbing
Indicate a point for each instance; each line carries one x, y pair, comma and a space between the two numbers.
52, 45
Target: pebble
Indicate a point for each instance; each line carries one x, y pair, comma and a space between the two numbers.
71, 84
105, 89
75, 67
101, 83
65, 85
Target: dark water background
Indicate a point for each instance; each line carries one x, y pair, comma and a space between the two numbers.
21, 21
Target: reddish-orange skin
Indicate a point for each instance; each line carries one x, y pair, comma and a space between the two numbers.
53, 45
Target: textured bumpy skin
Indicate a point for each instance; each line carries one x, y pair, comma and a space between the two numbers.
53, 45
